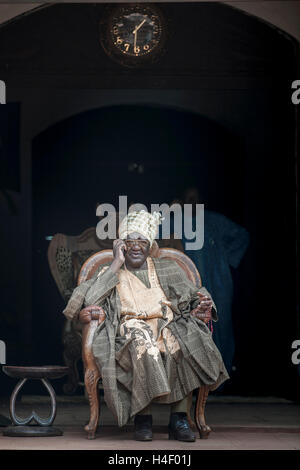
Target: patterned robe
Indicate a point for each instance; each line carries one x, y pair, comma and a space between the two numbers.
130, 384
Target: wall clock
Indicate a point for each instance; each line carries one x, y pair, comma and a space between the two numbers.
133, 34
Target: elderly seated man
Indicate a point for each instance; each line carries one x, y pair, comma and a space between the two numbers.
154, 345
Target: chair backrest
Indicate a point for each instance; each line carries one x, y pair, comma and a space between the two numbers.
67, 253
106, 256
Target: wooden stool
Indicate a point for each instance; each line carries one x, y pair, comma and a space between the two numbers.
43, 426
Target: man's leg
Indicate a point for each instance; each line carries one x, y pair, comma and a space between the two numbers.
180, 406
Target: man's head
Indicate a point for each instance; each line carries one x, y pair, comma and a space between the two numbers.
138, 230
138, 248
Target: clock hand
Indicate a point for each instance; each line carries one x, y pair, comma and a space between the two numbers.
138, 27
141, 24
134, 32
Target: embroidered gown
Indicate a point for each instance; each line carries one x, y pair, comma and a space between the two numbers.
149, 348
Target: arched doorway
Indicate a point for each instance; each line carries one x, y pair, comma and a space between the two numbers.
150, 154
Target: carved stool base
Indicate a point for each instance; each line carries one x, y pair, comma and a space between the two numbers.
32, 431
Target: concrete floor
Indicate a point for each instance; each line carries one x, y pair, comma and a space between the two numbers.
237, 423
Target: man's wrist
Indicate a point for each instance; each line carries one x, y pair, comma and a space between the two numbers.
116, 265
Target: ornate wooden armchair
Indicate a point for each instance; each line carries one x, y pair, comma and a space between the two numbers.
92, 374
66, 255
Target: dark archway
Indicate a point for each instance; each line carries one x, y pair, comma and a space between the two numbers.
90, 158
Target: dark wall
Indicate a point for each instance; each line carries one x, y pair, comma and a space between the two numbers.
60, 45
217, 105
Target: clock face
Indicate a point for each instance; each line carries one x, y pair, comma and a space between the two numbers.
134, 32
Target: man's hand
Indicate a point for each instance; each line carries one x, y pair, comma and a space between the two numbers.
92, 312
203, 310
119, 247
